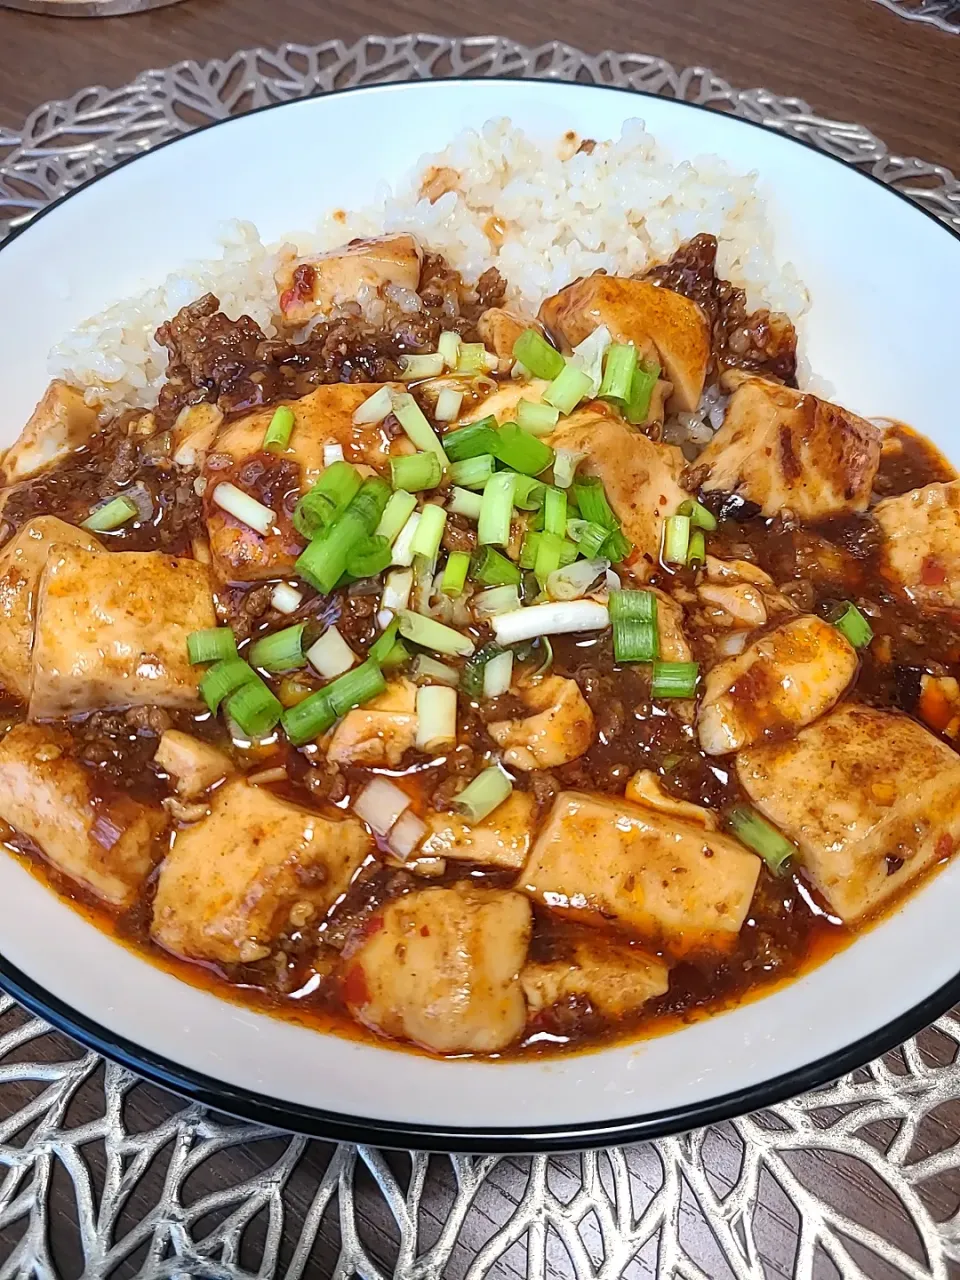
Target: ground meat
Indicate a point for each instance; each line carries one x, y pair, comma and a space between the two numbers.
240, 608
325, 782
459, 534
373, 888
763, 342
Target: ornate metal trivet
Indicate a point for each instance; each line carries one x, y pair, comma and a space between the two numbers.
944, 14
861, 1179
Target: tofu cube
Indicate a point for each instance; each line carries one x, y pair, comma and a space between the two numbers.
617, 979
112, 631
921, 553
61, 423
500, 840
318, 284
105, 842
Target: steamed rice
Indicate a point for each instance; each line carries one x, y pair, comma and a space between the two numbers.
542, 214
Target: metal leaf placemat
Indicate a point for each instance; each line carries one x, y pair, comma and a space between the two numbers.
103, 1175
944, 14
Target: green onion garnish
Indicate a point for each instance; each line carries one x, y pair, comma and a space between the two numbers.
617, 547
281, 651
593, 504
324, 561
521, 451
528, 493
224, 678
332, 493
396, 513
254, 709
464, 503
369, 557
854, 626
757, 834
496, 510
697, 551
280, 430
555, 512
434, 635
308, 719
212, 645
472, 358
384, 642
567, 389
676, 539
455, 573
422, 366
493, 601
355, 688
549, 550
531, 546
448, 345
536, 354
473, 473
410, 416
426, 540
415, 472
397, 656
472, 440
638, 406
429, 671
536, 417
634, 618
110, 516
700, 516
588, 536
491, 569
565, 467
471, 677
485, 793
618, 370
674, 679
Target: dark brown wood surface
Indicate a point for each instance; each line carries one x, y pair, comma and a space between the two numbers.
851, 59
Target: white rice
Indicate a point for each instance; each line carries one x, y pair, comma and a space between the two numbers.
564, 213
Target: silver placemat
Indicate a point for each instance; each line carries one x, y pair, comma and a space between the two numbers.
861, 1179
944, 14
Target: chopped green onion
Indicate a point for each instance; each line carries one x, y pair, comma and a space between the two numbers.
565, 467
448, 344
464, 503
398, 655
617, 547
331, 656
436, 717
403, 543
381, 805
410, 416
473, 473
638, 405
593, 504
384, 642
309, 719
496, 600
853, 625
491, 569
496, 510
588, 356
567, 389
280, 430
521, 451
531, 544
550, 620
415, 471
498, 674
286, 599
700, 516
425, 366
588, 536
635, 640
548, 556
472, 358
555, 512
396, 589
212, 645
254, 708
118, 511
424, 573
332, 452
471, 677
633, 604
758, 834
324, 561
430, 634
528, 493
332, 493
429, 671
236, 503
676, 539
485, 793
369, 557
429, 534
472, 440
375, 408
455, 573
356, 687
396, 513
281, 651
448, 404
618, 371
573, 581
536, 354
224, 678
536, 417
697, 551
674, 679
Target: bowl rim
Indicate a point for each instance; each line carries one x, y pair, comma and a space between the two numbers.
338, 1126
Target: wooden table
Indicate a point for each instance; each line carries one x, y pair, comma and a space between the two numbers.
850, 59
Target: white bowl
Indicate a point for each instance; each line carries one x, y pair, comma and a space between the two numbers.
884, 278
